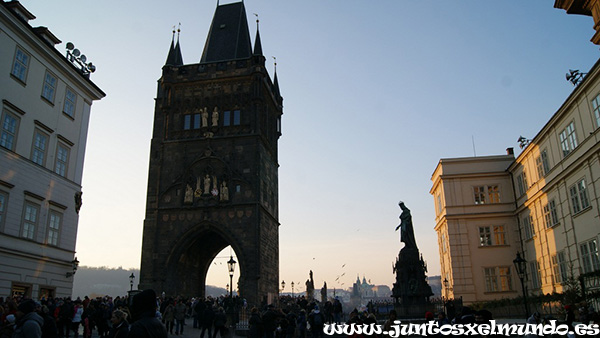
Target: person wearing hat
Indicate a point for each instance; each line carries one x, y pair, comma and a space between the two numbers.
145, 324
28, 322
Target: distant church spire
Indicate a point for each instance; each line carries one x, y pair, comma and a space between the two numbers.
174, 58
257, 43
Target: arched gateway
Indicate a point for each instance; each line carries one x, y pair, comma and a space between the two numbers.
213, 178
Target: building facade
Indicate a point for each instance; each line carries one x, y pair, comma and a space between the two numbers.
213, 174
548, 201
45, 111
477, 232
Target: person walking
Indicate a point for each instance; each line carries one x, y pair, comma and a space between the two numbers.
180, 310
77, 313
255, 323
168, 316
207, 319
28, 322
220, 323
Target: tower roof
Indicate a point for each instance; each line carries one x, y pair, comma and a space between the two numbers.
257, 44
174, 58
228, 38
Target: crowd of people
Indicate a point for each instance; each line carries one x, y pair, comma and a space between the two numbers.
149, 316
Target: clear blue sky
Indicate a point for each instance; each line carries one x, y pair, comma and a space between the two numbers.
375, 93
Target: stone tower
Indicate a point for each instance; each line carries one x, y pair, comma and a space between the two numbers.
213, 176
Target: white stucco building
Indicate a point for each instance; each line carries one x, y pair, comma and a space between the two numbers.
45, 111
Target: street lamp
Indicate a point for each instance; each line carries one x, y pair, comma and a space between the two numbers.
292, 289
231, 266
74, 266
282, 286
520, 266
131, 279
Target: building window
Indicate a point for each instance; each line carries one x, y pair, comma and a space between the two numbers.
550, 214
542, 164
444, 242
62, 159
439, 203
579, 197
559, 267
589, 255
596, 105
522, 183
479, 195
49, 87
54, 223
492, 235
8, 133
40, 143
545, 161
226, 118
237, 117
187, 122
20, 65
3, 202
70, 100
529, 227
497, 279
493, 193
534, 269
197, 119
30, 219
568, 139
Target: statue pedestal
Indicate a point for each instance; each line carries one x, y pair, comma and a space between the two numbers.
411, 289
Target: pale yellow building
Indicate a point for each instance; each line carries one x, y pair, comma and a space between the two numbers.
547, 207
477, 231
557, 205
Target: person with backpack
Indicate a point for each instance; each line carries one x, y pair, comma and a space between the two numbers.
316, 320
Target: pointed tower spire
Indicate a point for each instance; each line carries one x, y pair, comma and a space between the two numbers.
174, 58
275, 81
257, 44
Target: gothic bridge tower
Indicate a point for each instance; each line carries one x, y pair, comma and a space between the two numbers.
213, 176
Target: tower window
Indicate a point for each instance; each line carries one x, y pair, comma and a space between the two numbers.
236, 117
196, 121
226, 118
187, 122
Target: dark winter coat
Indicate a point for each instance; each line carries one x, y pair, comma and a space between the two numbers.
148, 326
29, 326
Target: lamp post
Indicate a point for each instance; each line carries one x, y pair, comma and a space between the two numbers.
131, 279
292, 289
282, 286
74, 266
231, 266
520, 266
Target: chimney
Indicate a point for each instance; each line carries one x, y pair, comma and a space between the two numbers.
510, 151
